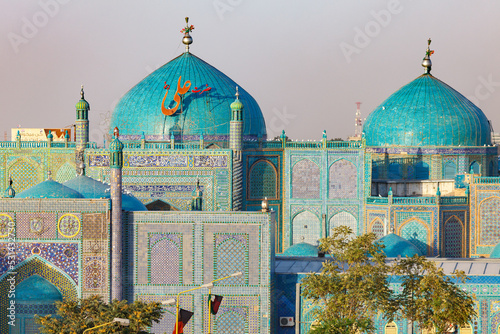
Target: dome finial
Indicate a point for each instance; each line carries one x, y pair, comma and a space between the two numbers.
237, 94
82, 94
187, 40
426, 62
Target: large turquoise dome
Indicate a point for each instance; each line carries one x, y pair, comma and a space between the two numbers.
427, 112
397, 246
203, 110
49, 189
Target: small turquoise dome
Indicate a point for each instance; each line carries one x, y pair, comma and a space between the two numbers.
496, 252
82, 105
397, 246
91, 188
203, 109
301, 249
49, 189
116, 145
427, 112
236, 105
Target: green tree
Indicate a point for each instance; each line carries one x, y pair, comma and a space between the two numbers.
352, 287
431, 298
73, 317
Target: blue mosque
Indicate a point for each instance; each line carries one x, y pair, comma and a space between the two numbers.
190, 190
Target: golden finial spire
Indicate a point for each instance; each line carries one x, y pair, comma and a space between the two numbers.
82, 94
426, 62
187, 39
237, 94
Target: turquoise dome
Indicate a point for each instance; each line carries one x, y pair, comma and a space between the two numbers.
495, 253
204, 108
49, 189
301, 249
427, 112
397, 246
91, 188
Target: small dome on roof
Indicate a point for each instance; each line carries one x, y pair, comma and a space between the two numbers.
91, 188
301, 249
397, 246
495, 254
49, 189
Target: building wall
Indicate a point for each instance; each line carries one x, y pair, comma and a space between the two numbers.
171, 252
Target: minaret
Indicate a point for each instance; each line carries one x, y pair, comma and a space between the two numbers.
82, 122
236, 145
116, 164
426, 62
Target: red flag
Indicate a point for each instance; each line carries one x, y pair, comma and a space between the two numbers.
214, 301
183, 319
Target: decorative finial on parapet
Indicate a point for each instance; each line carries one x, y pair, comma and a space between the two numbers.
265, 205
426, 62
187, 39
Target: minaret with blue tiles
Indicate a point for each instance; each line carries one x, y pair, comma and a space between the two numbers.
116, 165
236, 145
82, 122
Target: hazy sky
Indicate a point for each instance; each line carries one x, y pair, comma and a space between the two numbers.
305, 62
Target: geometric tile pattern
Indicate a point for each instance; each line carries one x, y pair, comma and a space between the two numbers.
415, 232
305, 179
344, 219
165, 260
453, 237
94, 271
231, 256
489, 223
262, 180
24, 174
36, 225
378, 228
231, 320
306, 227
343, 180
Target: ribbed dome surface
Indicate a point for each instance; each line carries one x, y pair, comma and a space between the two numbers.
49, 189
397, 246
91, 188
427, 112
207, 113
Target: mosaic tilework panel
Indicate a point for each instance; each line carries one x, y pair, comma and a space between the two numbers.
7, 225
35, 266
453, 237
377, 227
61, 205
237, 314
94, 272
305, 179
25, 173
69, 225
65, 172
343, 180
344, 219
231, 255
489, 224
335, 209
165, 258
167, 322
416, 232
36, 225
95, 226
63, 255
262, 181
306, 227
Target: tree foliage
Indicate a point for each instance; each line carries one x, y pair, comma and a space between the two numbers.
73, 317
354, 287
431, 298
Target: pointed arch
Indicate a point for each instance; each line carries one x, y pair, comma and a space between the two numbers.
421, 171
416, 231
262, 180
475, 168
305, 179
306, 227
391, 328
377, 227
35, 265
65, 172
165, 261
160, 205
454, 238
449, 170
344, 219
342, 179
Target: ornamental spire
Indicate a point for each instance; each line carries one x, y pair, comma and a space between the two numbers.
187, 40
426, 62
82, 94
237, 94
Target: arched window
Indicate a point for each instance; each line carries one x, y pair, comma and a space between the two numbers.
394, 171
344, 219
305, 179
421, 171
475, 168
231, 256
453, 237
378, 228
165, 271
262, 180
391, 328
343, 179
306, 228
449, 170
